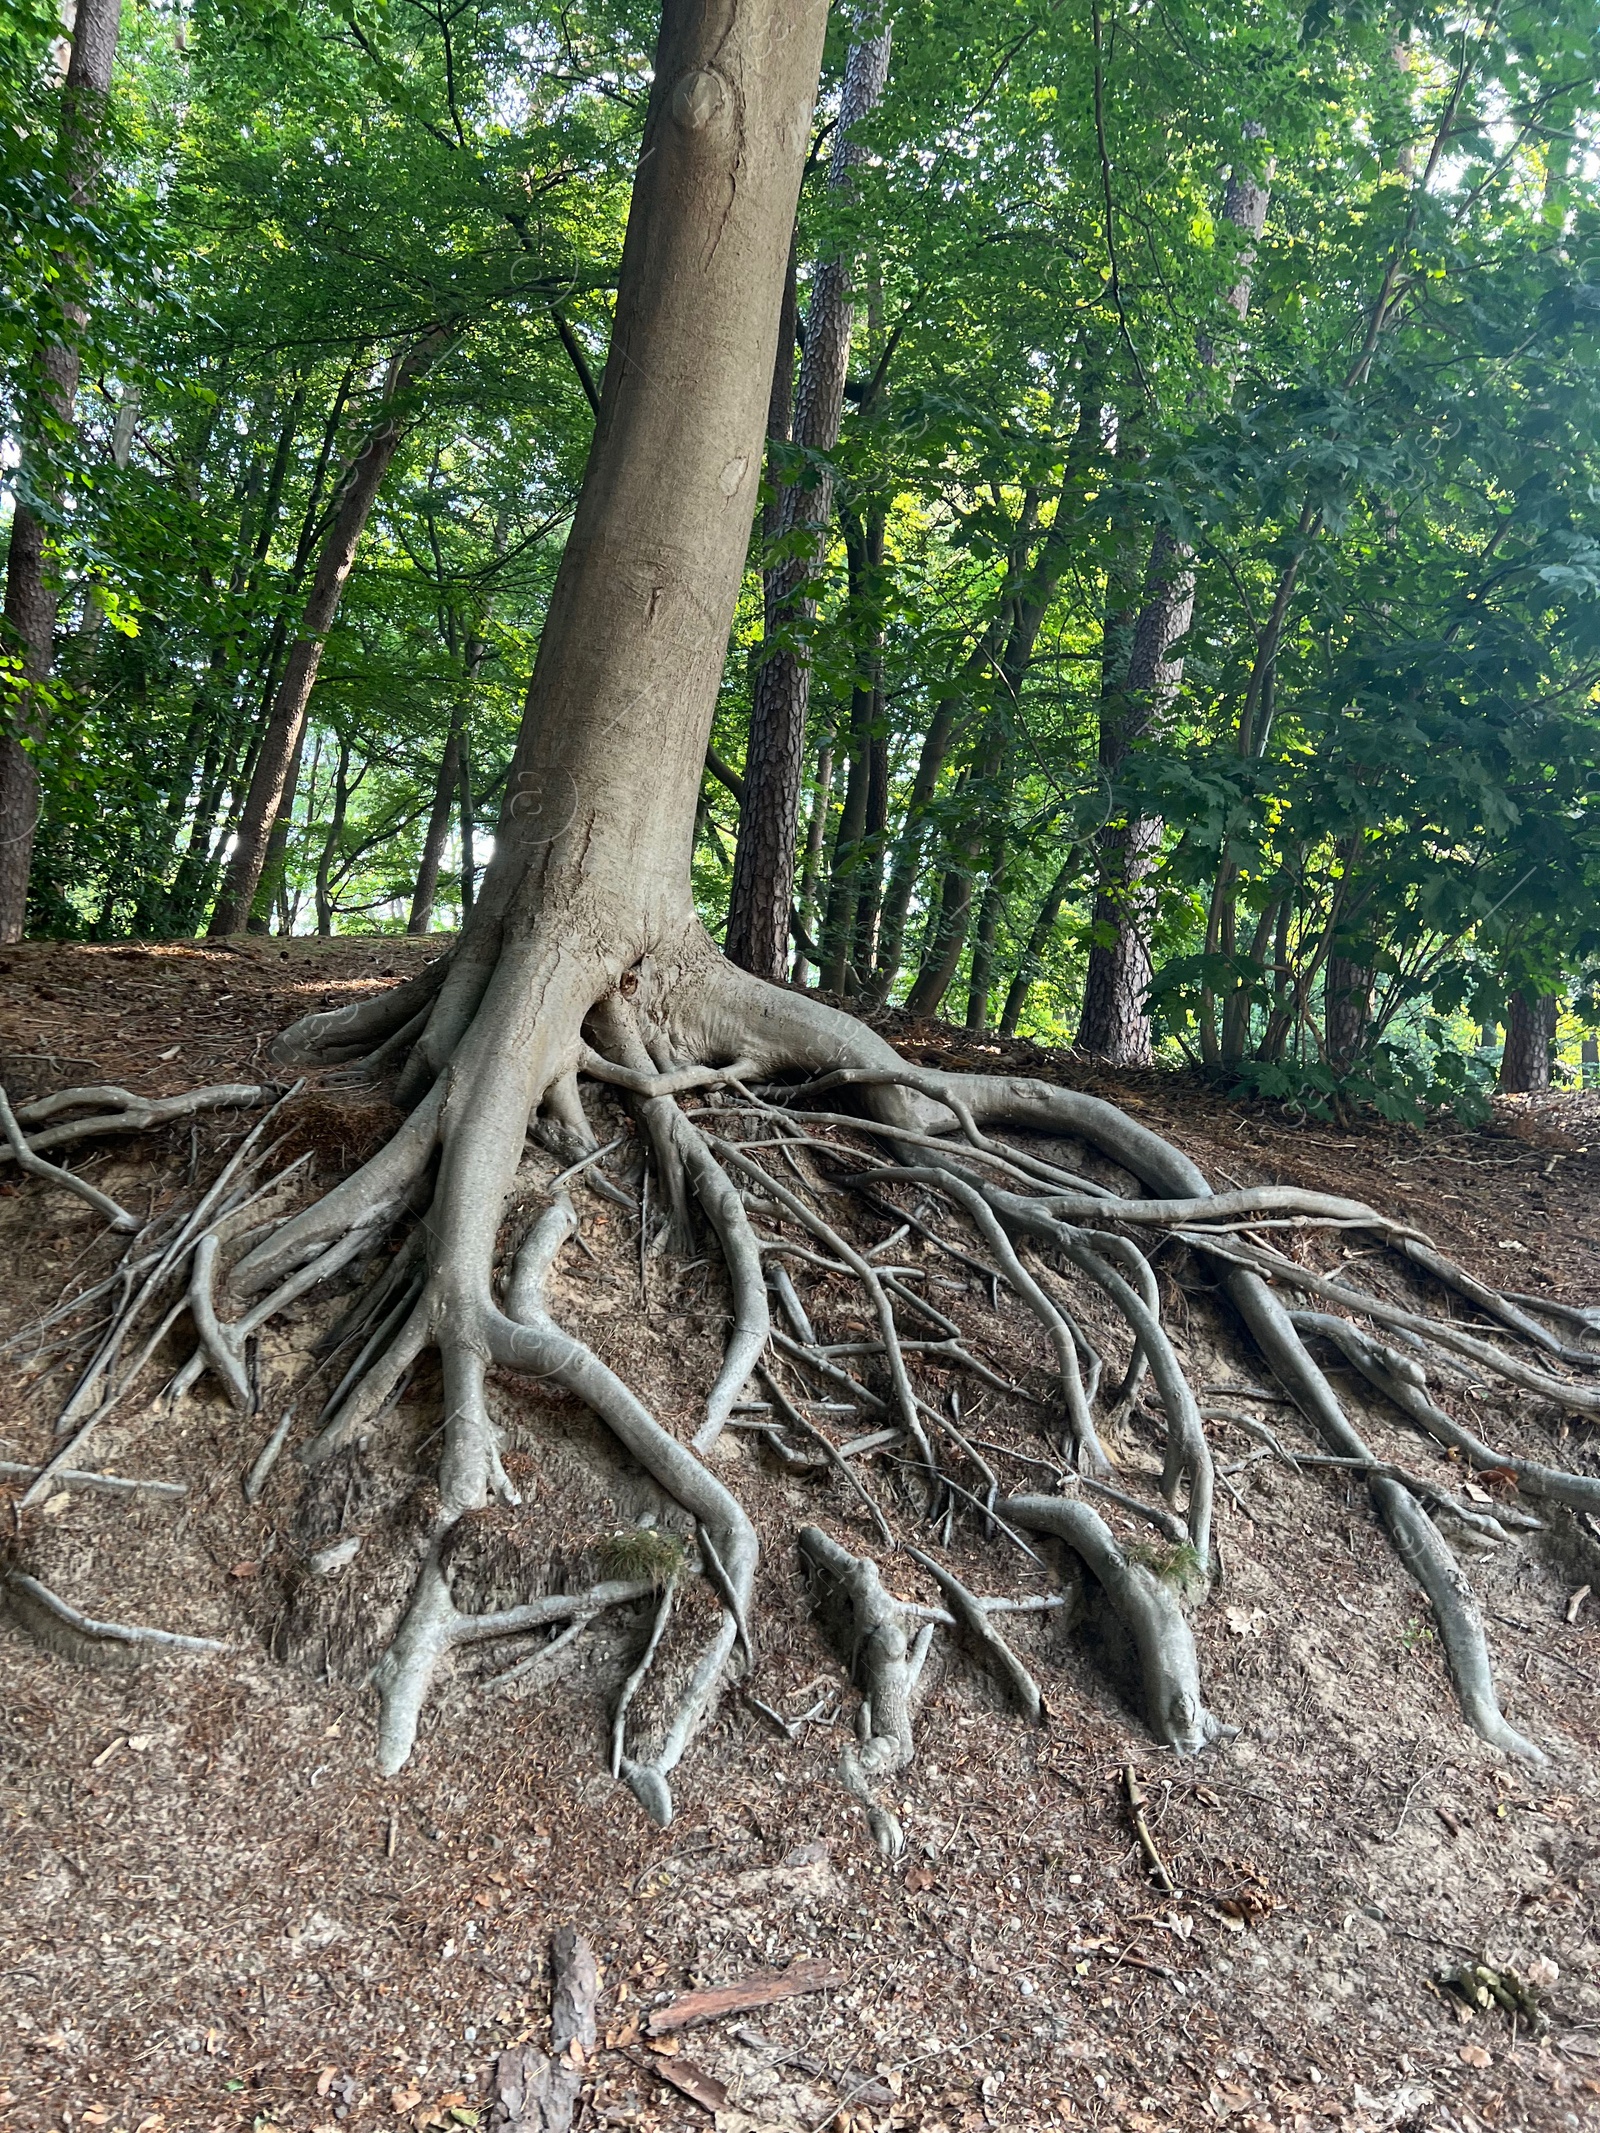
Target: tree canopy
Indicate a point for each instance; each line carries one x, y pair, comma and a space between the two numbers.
1303, 300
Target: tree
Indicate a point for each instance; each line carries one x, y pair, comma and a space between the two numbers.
584, 955
33, 592
763, 866
279, 752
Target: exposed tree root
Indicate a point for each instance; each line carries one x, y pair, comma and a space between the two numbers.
80, 1637
866, 1625
1145, 1604
990, 1171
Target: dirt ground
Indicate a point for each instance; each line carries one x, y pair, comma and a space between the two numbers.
215, 1914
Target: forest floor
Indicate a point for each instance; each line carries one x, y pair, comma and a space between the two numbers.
215, 1914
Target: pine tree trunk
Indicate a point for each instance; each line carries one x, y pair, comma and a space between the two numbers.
763, 865
286, 722
33, 592
1530, 1042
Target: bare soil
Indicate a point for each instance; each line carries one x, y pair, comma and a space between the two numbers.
214, 1914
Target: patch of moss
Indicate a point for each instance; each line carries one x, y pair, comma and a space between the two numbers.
642, 1552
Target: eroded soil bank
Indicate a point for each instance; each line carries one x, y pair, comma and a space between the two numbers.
215, 1914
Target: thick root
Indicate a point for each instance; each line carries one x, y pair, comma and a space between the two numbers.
1147, 1608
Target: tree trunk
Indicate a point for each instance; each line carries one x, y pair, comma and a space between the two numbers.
763, 865
1114, 1025
1346, 1011
469, 859
983, 948
1038, 941
1530, 1042
286, 722
816, 841
330, 843
937, 743
444, 800
864, 542
33, 591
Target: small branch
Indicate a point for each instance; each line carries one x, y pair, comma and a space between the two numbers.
1147, 1844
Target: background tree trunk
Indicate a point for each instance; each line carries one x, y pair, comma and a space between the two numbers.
1114, 1024
444, 800
763, 864
286, 723
1347, 1010
33, 591
1530, 1041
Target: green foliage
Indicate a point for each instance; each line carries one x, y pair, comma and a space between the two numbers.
642, 1553
1373, 425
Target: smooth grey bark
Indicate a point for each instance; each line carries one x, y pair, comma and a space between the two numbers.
763, 866
33, 590
285, 725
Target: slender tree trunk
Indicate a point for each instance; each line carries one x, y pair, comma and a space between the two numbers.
469, 862
33, 591
983, 950
444, 800
1115, 1024
1530, 1042
763, 866
330, 843
938, 741
864, 543
1347, 1010
1038, 941
816, 841
286, 721
869, 866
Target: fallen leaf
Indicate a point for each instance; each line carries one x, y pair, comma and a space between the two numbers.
919, 1877
403, 2100
325, 2079
1542, 1972
140, 1742
1244, 1621
55, 1505
244, 1570
1474, 2055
